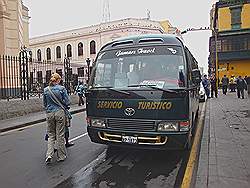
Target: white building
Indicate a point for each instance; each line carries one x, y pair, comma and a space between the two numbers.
80, 44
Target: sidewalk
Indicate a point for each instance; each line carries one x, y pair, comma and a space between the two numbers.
224, 159
30, 119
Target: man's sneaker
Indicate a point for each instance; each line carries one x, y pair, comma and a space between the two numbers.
48, 160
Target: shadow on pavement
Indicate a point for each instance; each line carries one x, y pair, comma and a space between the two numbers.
130, 168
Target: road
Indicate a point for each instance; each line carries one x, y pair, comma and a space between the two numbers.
22, 155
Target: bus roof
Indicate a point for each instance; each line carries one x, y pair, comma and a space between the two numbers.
146, 39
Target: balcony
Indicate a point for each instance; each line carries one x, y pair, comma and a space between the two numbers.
235, 55
232, 47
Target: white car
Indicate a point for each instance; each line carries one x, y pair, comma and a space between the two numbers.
202, 94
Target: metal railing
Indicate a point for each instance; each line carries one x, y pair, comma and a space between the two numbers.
23, 77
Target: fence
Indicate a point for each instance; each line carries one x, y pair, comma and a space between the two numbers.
24, 77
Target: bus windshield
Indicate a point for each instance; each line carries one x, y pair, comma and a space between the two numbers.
160, 66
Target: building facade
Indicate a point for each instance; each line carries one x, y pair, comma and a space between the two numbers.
14, 27
230, 41
80, 44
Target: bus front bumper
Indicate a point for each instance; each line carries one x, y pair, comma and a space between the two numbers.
157, 140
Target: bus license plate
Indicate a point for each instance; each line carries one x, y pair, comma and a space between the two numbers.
129, 139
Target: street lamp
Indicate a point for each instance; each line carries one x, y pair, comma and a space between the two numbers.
67, 75
88, 64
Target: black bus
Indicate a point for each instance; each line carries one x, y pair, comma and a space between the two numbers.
143, 91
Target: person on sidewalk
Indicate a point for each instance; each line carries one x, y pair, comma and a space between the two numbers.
225, 82
214, 90
240, 85
232, 84
205, 83
247, 79
80, 89
53, 94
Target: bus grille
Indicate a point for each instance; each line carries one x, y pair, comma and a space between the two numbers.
131, 125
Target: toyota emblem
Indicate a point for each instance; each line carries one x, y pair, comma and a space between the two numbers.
129, 111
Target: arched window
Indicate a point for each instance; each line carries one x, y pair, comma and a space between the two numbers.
80, 49
39, 55
69, 50
58, 52
92, 47
48, 53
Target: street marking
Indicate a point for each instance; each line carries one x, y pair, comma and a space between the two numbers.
194, 153
77, 137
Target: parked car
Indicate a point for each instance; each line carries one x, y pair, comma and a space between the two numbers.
202, 94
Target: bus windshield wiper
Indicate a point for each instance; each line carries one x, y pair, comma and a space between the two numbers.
153, 86
112, 89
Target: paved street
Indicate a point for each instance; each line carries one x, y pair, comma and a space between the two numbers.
22, 155
224, 157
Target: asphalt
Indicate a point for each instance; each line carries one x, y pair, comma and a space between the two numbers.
30, 119
224, 159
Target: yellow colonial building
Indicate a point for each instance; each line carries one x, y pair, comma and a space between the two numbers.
14, 27
230, 21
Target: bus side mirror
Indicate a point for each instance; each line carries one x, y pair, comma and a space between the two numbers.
196, 76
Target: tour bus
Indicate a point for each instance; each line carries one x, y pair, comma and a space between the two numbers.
143, 91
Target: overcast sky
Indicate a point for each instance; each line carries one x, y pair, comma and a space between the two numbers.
50, 16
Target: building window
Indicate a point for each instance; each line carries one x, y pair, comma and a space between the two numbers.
59, 71
48, 52
48, 75
92, 47
39, 55
58, 52
69, 50
80, 71
80, 49
40, 77
236, 17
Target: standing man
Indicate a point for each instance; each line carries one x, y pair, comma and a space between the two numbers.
232, 84
247, 79
225, 82
205, 84
241, 85
80, 92
214, 89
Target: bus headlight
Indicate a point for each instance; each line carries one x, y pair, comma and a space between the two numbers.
167, 126
98, 123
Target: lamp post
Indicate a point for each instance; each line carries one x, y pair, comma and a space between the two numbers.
88, 65
66, 67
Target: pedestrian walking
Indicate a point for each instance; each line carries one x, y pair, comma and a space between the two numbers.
225, 82
205, 83
240, 85
56, 101
80, 90
214, 89
247, 79
232, 84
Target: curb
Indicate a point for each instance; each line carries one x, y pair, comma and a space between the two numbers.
35, 122
192, 165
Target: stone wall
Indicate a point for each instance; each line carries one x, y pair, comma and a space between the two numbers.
17, 107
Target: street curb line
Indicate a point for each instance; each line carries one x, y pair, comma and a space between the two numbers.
34, 122
190, 172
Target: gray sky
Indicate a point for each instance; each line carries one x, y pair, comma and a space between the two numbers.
50, 16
